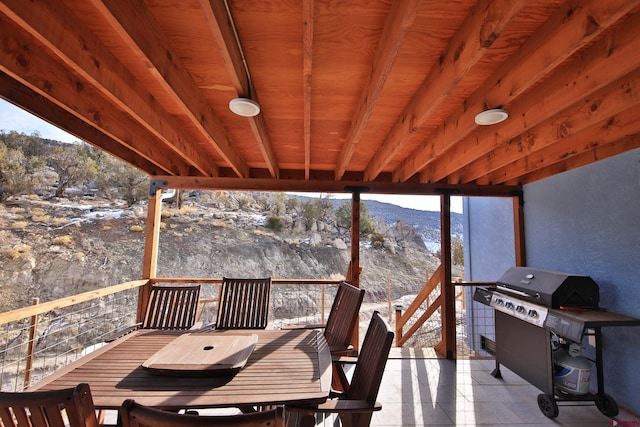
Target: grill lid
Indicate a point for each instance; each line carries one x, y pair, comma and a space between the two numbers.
551, 288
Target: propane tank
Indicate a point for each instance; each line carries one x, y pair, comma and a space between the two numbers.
572, 371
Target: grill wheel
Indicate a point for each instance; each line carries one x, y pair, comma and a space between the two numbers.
548, 405
607, 406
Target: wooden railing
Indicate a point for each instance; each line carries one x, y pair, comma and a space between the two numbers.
403, 318
426, 304
39, 339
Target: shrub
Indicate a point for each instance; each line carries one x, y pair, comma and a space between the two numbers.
60, 221
377, 240
136, 228
41, 218
62, 240
274, 223
23, 249
457, 251
19, 225
12, 253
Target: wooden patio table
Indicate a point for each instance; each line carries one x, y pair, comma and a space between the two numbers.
286, 366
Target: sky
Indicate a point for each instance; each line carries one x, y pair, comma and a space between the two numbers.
15, 118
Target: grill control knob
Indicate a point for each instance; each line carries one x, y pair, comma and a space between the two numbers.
498, 301
509, 305
533, 313
520, 309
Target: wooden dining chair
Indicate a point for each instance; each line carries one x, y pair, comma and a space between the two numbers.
133, 414
244, 303
355, 406
169, 308
71, 407
342, 320
172, 307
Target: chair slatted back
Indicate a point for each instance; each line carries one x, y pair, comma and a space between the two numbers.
244, 303
369, 368
343, 315
172, 307
71, 407
133, 414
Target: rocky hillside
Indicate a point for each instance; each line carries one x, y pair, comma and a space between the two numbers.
54, 248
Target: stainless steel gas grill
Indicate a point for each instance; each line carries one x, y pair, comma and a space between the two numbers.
532, 306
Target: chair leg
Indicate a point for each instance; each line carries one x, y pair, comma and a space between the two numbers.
339, 381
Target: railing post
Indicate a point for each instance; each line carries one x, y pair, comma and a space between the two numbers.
31, 346
398, 325
389, 293
322, 303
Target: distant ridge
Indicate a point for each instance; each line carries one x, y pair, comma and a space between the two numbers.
426, 223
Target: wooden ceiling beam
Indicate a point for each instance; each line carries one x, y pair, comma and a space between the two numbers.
332, 186
15, 92
575, 160
224, 34
602, 132
399, 21
133, 22
25, 60
609, 58
307, 76
607, 102
481, 28
79, 49
573, 26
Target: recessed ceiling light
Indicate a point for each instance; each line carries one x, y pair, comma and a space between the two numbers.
491, 117
244, 107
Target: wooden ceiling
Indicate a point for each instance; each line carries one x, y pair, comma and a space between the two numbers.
352, 92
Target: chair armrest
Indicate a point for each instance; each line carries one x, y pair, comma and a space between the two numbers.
198, 326
122, 332
341, 351
304, 326
338, 406
344, 359
201, 328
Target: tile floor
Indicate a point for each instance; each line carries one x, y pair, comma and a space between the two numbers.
425, 391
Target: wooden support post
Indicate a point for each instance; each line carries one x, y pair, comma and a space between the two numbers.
355, 240
389, 294
150, 259
31, 346
446, 288
398, 325
518, 232
354, 265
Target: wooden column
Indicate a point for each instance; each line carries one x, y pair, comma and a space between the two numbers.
150, 258
518, 230
354, 265
355, 240
448, 313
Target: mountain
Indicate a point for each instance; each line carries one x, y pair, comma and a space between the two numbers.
426, 223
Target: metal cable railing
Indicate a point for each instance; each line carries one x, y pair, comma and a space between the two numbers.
36, 341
